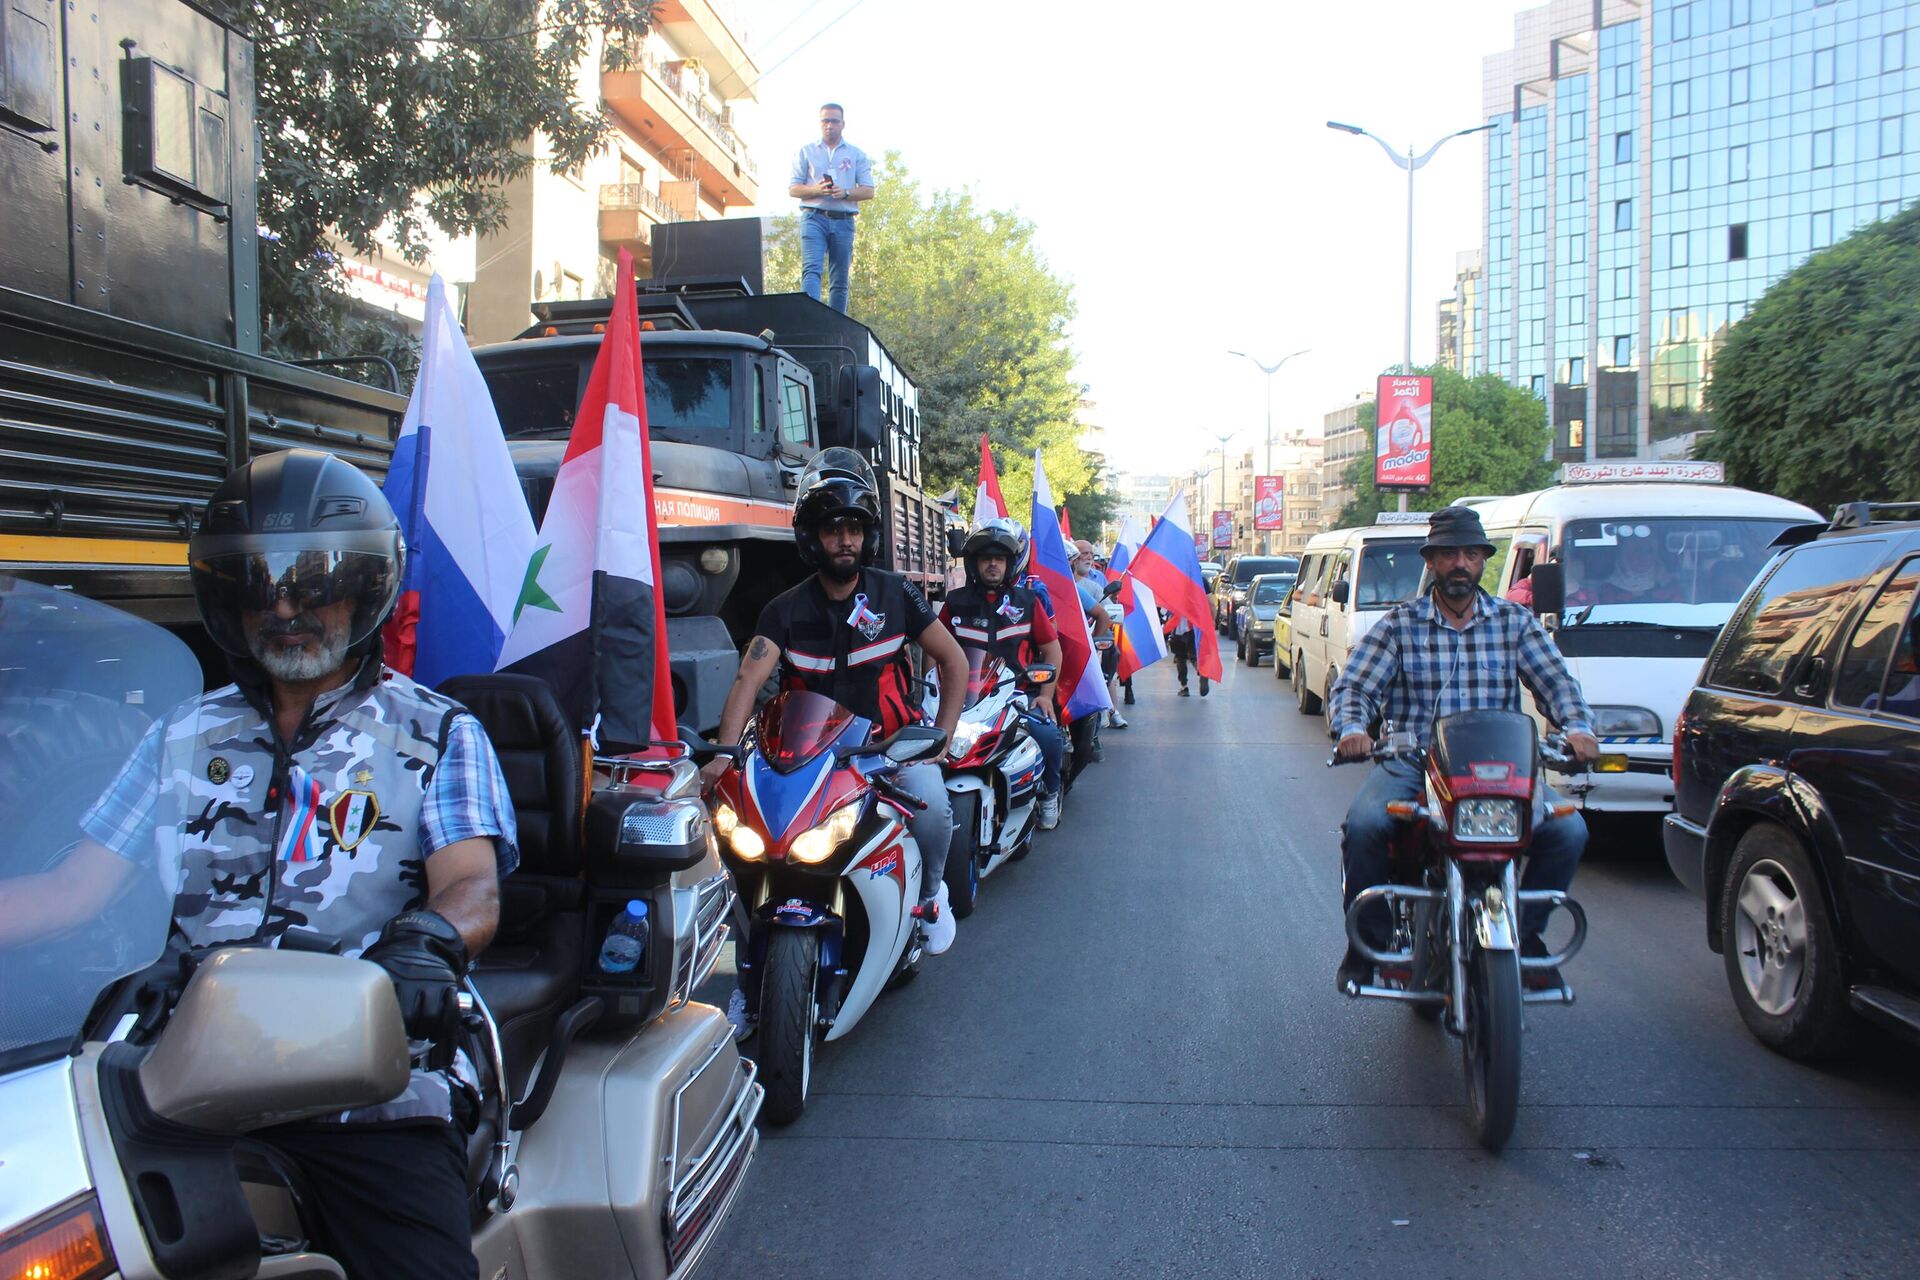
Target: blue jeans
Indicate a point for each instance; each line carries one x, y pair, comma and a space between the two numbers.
1046, 736
829, 242
1551, 860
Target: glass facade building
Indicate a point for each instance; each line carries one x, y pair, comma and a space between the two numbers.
1652, 168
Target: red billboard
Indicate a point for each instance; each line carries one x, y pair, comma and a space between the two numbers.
1269, 503
1223, 528
1403, 443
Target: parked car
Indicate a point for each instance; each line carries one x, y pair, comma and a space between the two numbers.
1266, 596
1230, 588
1796, 766
1348, 580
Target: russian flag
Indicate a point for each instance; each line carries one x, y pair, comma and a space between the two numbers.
1167, 565
1142, 642
465, 521
1052, 565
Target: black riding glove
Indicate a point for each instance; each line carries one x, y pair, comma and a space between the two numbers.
424, 955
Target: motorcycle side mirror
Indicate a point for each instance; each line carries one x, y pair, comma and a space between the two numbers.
1040, 673
1111, 590
956, 541
1549, 580
912, 742
264, 1037
701, 751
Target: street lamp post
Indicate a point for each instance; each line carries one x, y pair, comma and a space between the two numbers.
1223, 476
1269, 370
1412, 164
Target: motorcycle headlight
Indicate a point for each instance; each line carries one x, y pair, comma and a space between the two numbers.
1487, 818
1625, 722
748, 843
816, 844
725, 819
965, 735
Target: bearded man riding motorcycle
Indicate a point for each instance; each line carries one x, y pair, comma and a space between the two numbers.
1454, 649
994, 613
326, 793
843, 633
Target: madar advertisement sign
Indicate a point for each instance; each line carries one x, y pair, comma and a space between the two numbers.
1403, 445
1269, 503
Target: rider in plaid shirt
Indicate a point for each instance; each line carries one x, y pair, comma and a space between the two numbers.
1455, 649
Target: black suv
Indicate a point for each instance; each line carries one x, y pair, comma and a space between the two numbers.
1797, 785
1230, 588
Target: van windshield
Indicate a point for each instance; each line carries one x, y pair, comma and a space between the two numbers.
1389, 573
1670, 571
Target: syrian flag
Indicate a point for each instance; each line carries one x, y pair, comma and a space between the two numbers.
1142, 642
590, 620
987, 502
1168, 566
1051, 564
461, 511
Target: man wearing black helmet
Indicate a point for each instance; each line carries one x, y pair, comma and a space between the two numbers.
844, 633
993, 612
326, 793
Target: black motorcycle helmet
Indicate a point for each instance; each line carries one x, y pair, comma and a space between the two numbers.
998, 534
300, 524
836, 483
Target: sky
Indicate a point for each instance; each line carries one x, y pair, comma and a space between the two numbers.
1176, 164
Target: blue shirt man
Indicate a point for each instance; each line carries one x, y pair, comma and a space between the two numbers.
830, 179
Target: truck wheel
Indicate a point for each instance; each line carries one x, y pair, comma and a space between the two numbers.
1779, 948
789, 1018
962, 872
1306, 699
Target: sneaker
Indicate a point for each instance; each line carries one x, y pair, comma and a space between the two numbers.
1204, 686
1534, 947
737, 1015
1050, 811
1115, 720
1184, 692
1355, 971
941, 928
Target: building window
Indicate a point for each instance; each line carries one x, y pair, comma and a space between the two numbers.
1623, 215
1679, 98
1536, 164
1623, 148
1893, 51
1622, 351
1677, 249
1740, 14
1540, 386
1822, 67
1823, 228
1737, 163
1890, 139
1537, 276
1682, 22
1577, 371
1737, 242
1739, 86
1537, 219
1823, 148
1623, 80
1888, 208
1576, 433
1623, 282
1576, 248
1677, 173
1537, 333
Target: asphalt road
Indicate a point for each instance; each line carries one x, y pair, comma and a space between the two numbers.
1134, 1063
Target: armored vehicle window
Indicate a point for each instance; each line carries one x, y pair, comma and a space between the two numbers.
1792, 612
1862, 666
536, 401
690, 397
793, 411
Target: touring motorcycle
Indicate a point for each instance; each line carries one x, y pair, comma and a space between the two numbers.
1454, 901
816, 834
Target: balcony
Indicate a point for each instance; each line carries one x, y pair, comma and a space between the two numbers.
653, 99
629, 212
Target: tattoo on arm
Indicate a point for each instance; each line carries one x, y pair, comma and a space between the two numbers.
759, 649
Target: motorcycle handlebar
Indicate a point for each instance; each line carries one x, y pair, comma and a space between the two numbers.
1554, 750
898, 794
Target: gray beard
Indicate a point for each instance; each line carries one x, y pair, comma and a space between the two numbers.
323, 659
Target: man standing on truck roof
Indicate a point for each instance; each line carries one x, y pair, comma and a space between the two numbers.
830, 179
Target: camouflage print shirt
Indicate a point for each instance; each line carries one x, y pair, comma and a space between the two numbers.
330, 833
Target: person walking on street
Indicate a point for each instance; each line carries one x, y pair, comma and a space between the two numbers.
1089, 583
1110, 656
830, 179
1184, 648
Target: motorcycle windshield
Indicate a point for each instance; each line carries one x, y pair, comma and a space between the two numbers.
1486, 752
798, 725
983, 672
81, 685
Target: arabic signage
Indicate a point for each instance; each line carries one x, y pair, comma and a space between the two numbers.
1403, 444
1223, 528
1623, 472
1269, 503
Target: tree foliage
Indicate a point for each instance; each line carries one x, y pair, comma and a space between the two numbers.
1816, 394
1489, 437
403, 116
965, 301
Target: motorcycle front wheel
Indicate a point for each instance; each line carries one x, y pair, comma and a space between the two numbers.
1490, 1050
789, 1019
962, 872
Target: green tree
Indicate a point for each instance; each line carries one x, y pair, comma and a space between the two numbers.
1489, 437
965, 301
1816, 394
404, 115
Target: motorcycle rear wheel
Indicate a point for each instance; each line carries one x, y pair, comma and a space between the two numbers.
789, 1021
962, 872
1429, 958
1490, 1051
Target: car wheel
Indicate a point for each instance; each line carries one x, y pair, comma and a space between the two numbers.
1780, 948
1281, 670
1307, 700
1245, 651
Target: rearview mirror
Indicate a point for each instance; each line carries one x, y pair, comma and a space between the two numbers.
914, 742
956, 541
1549, 587
1111, 590
1340, 591
861, 413
1040, 673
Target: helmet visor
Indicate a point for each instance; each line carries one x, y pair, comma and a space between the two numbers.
228, 586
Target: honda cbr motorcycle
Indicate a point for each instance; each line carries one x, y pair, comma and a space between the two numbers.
816, 834
614, 1124
1454, 899
994, 771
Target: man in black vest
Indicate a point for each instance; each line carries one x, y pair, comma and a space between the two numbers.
844, 633
992, 612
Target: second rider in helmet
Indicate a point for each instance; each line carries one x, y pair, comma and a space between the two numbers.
844, 632
994, 613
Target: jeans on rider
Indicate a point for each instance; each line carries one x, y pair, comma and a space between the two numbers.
1046, 736
1551, 860
932, 826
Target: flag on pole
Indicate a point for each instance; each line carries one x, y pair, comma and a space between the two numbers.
987, 502
591, 620
1066, 524
1142, 642
465, 521
1052, 565
1168, 566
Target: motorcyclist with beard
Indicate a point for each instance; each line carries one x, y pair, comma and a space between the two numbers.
1454, 649
844, 632
328, 793
990, 612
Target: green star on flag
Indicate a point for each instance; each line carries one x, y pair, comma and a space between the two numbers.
531, 592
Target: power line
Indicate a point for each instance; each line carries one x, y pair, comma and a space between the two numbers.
792, 22
804, 43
